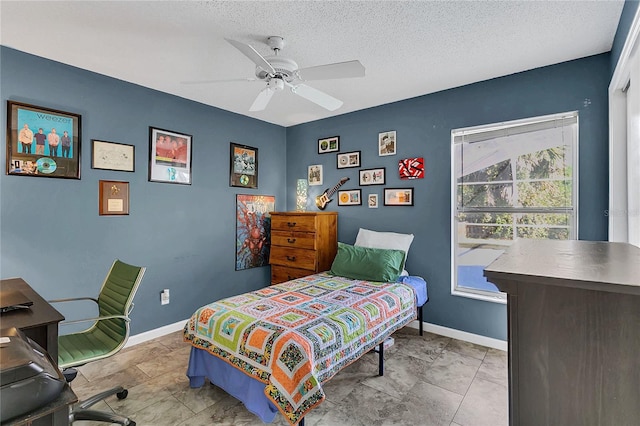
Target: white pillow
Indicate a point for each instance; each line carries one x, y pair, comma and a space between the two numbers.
385, 240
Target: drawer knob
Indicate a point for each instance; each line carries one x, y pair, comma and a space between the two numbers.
289, 277
291, 224
291, 258
291, 240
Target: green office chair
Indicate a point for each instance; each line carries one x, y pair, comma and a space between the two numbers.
106, 336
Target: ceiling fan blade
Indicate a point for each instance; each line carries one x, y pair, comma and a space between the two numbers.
348, 69
218, 81
252, 54
316, 96
263, 99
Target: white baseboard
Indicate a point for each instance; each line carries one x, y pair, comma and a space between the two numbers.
431, 328
462, 335
152, 334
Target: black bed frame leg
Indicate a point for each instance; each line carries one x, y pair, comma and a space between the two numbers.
301, 422
381, 359
420, 318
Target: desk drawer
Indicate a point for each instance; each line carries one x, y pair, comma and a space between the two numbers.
303, 240
280, 274
303, 223
297, 258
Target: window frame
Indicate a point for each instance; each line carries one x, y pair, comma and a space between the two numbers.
491, 296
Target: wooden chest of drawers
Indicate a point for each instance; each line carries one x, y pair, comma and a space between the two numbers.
302, 243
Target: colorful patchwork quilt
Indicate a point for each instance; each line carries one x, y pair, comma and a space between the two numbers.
296, 335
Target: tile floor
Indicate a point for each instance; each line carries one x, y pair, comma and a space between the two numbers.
428, 380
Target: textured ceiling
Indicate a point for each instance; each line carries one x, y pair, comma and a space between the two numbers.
409, 48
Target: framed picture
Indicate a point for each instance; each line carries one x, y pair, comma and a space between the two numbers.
113, 198
351, 197
169, 156
253, 230
331, 144
411, 168
314, 175
387, 143
244, 166
398, 196
372, 176
372, 201
348, 159
112, 156
42, 142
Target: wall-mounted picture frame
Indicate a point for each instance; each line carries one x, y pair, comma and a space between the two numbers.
253, 230
372, 201
372, 176
244, 166
112, 156
42, 142
398, 196
348, 159
327, 145
169, 156
350, 197
113, 198
387, 143
411, 168
315, 175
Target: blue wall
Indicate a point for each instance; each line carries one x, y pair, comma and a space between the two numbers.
624, 25
52, 235
423, 127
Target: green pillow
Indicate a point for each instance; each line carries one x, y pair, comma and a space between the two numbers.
364, 263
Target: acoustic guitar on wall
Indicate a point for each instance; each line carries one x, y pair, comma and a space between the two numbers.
325, 198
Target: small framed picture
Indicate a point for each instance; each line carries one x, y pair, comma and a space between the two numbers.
398, 196
350, 197
314, 175
411, 168
169, 157
372, 176
113, 198
42, 142
327, 145
113, 156
372, 201
244, 166
387, 143
348, 159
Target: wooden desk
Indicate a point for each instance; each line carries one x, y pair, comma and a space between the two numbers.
40, 323
573, 318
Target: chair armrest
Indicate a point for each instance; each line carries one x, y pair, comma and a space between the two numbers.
73, 299
122, 317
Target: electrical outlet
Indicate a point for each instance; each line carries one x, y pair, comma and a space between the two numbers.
164, 297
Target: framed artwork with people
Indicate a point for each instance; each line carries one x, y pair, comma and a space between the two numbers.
169, 156
42, 142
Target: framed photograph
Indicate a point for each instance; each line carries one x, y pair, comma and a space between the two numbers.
113, 199
112, 156
351, 197
398, 196
314, 175
372, 176
244, 166
411, 168
253, 230
42, 142
372, 201
387, 143
331, 144
169, 156
348, 159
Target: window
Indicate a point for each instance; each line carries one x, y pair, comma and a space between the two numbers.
510, 180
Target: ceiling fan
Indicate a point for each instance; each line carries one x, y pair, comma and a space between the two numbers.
278, 72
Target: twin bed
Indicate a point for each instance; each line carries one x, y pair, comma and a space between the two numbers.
274, 348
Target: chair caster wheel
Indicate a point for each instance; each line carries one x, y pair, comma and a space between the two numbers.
123, 395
